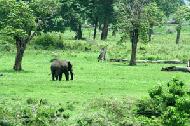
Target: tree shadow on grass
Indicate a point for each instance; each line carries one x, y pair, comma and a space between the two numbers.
12, 71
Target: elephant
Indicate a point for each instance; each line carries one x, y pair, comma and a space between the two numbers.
58, 67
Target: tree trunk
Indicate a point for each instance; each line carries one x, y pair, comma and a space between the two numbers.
79, 33
134, 35
21, 46
105, 29
95, 27
100, 26
150, 32
178, 29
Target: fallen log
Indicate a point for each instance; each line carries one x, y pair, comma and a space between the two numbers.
119, 60
150, 61
176, 68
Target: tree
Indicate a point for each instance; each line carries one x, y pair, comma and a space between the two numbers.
18, 22
133, 22
181, 15
73, 11
48, 12
155, 17
169, 6
106, 15
92, 10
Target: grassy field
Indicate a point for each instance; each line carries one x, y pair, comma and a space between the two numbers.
92, 79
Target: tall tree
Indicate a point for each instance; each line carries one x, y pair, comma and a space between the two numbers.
48, 12
181, 15
106, 15
73, 11
92, 10
169, 6
133, 21
18, 22
154, 16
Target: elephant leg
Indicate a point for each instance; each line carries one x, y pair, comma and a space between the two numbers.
60, 77
71, 72
67, 75
53, 75
56, 77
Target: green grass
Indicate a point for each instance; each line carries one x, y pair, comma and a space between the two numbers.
92, 79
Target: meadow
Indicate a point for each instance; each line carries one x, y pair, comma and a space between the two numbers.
92, 79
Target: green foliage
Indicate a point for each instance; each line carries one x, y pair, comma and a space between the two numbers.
19, 20
150, 107
183, 105
73, 12
6, 6
49, 13
108, 111
32, 114
131, 15
171, 105
157, 91
55, 40
172, 117
6, 44
169, 6
182, 14
48, 41
154, 14
176, 88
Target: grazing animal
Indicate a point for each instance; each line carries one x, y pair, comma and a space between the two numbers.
102, 55
58, 67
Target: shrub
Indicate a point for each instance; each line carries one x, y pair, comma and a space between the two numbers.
157, 91
107, 112
31, 101
183, 104
6, 47
48, 41
171, 106
32, 114
176, 87
172, 117
149, 107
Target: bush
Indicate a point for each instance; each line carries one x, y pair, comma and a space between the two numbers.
6, 43
77, 45
183, 104
172, 117
107, 112
157, 91
149, 107
34, 113
171, 106
48, 41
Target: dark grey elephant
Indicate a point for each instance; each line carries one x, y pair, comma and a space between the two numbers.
58, 67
